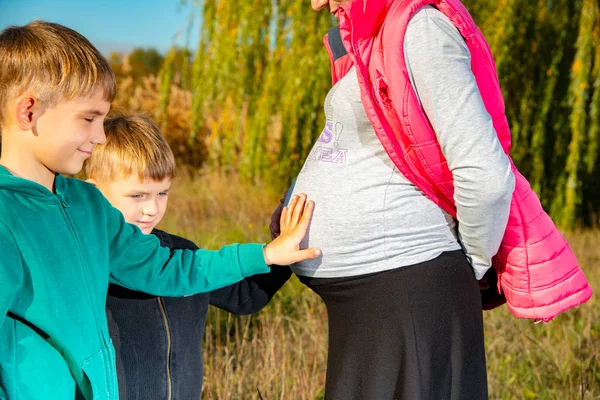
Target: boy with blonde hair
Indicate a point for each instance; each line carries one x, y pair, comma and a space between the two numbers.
62, 241
158, 339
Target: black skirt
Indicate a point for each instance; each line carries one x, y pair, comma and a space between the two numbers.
412, 333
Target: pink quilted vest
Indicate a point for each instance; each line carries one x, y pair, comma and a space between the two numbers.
537, 270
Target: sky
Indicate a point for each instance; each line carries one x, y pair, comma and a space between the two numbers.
111, 25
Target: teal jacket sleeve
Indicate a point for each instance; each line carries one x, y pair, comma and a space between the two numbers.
11, 271
138, 262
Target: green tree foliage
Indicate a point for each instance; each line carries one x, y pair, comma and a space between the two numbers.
260, 75
165, 78
144, 62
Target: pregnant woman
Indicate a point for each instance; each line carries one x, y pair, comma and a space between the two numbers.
413, 190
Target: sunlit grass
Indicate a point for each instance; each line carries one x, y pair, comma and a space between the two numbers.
281, 353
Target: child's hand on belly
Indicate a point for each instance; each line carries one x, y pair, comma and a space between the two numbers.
293, 223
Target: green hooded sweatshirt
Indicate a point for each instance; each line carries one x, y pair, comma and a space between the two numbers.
58, 253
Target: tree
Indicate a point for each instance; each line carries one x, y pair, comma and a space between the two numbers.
143, 62
260, 74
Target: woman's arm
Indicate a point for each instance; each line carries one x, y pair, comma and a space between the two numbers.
439, 65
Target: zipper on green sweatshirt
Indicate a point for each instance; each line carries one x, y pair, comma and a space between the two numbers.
105, 344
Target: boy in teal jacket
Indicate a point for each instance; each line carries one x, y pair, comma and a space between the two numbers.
62, 242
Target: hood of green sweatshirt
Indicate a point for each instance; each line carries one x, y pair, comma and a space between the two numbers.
28, 187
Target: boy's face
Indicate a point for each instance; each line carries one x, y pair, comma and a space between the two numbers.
65, 134
142, 203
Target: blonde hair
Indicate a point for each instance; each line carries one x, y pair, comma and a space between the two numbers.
134, 145
52, 61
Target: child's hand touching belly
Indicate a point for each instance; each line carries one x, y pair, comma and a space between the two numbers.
293, 223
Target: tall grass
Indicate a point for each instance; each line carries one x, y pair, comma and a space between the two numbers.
281, 353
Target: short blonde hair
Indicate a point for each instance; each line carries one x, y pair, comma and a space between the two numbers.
134, 145
52, 61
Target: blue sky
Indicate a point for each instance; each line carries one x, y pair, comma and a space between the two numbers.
111, 25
